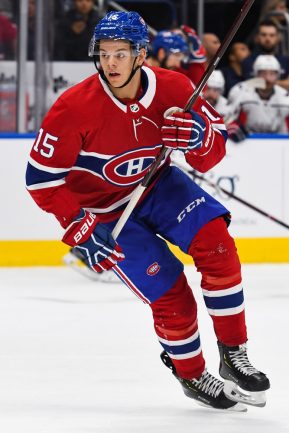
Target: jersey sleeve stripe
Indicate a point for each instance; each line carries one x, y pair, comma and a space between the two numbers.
45, 185
36, 176
219, 126
46, 168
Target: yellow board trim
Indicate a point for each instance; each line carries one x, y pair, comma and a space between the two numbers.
50, 253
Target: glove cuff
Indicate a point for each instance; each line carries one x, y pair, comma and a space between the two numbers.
80, 229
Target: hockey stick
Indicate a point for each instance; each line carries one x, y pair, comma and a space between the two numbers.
164, 151
235, 197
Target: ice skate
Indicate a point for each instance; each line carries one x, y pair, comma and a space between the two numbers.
243, 382
207, 390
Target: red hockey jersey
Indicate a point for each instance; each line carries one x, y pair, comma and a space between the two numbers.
93, 149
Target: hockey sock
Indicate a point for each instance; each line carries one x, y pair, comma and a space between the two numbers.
215, 256
175, 322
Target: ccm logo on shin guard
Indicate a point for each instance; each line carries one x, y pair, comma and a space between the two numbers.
84, 228
190, 207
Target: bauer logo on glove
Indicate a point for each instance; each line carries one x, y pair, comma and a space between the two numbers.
185, 131
94, 241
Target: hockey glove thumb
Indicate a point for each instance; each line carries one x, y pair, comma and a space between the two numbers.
92, 239
184, 131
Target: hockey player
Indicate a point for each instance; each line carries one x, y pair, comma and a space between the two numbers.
263, 110
94, 146
214, 93
169, 50
179, 50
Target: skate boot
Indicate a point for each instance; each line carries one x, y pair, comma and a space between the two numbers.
207, 390
243, 382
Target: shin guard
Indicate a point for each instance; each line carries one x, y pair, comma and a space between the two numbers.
215, 256
175, 322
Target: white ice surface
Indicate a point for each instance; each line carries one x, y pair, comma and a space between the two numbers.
81, 357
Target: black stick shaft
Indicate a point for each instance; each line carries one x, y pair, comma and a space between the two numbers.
211, 67
240, 200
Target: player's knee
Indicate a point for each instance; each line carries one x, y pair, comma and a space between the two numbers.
215, 254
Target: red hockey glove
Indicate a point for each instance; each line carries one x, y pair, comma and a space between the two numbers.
197, 50
92, 239
184, 130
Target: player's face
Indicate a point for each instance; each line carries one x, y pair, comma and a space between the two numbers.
270, 77
212, 95
174, 61
117, 59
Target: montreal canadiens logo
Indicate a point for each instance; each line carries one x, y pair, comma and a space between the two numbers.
130, 167
153, 269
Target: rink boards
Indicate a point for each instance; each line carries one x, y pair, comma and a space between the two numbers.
256, 171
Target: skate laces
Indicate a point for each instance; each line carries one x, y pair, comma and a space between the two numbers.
240, 360
209, 384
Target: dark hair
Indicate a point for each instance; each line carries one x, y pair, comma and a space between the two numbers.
232, 48
268, 23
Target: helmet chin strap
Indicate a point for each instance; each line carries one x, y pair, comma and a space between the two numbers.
132, 73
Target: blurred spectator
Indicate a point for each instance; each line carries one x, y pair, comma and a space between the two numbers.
74, 32
267, 42
263, 110
233, 71
213, 93
6, 8
31, 30
211, 43
275, 10
57, 14
8, 38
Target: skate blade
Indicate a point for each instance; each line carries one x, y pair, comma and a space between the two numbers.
239, 407
74, 263
235, 393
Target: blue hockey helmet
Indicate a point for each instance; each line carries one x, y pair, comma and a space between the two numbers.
171, 42
127, 26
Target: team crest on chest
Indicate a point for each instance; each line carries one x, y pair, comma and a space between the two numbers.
130, 167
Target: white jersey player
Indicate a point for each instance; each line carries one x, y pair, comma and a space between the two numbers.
213, 93
262, 110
